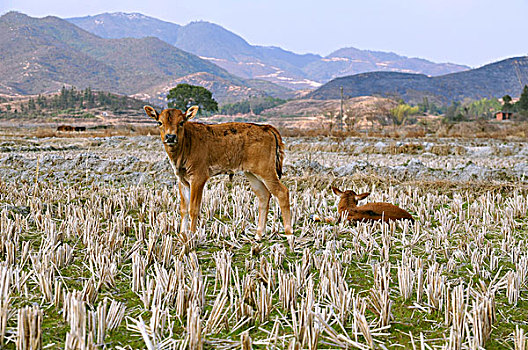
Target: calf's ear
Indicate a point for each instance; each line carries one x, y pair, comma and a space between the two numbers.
362, 196
337, 191
151, 112
191, 112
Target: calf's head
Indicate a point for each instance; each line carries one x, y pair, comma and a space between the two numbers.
171, 122
349, 198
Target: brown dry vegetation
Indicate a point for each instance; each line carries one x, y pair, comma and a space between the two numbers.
476, 129
45, 131
90, 248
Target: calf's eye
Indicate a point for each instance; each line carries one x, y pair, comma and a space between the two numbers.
160, 123
181, 123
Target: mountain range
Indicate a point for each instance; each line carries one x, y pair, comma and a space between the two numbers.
493, 80
231, 52
39, 55
43, 54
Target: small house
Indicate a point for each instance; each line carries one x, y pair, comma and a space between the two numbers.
503, 115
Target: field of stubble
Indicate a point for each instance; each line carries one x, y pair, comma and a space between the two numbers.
91, 256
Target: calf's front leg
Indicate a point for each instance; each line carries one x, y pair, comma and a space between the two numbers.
185, 198
197, 186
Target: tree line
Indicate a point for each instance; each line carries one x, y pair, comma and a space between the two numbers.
184, 96
253, 105
486, 108
72, 99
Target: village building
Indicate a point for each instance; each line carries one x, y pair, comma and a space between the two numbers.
503, 115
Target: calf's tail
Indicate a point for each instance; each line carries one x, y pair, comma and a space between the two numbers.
279, 151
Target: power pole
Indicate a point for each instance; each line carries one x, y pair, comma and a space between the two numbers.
341, 111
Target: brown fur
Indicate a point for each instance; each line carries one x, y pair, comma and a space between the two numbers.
347, 208
198, 151
65, 128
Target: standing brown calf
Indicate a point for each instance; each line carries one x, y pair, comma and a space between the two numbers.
198, 151
348, 208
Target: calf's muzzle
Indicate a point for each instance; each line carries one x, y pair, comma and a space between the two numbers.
171, 138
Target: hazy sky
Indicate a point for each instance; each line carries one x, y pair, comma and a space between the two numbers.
472, 32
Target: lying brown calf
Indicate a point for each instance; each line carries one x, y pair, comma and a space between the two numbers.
198, 151
348, 208
65, 128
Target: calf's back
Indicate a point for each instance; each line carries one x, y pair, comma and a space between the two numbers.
233, 146
378, 211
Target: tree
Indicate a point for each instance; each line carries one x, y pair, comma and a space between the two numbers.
522, 104
63, 98
89, 97
400, 114
484, 108
507, 105
41, 101
453, 112
184, 96
31, 104
424, 106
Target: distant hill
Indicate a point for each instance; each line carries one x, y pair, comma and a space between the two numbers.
231, 52
353, 107
492, 80
68, 102
136, 25
348, 61
42, 55
209, 41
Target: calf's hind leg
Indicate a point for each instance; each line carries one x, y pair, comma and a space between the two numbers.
277, 188
264, 196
